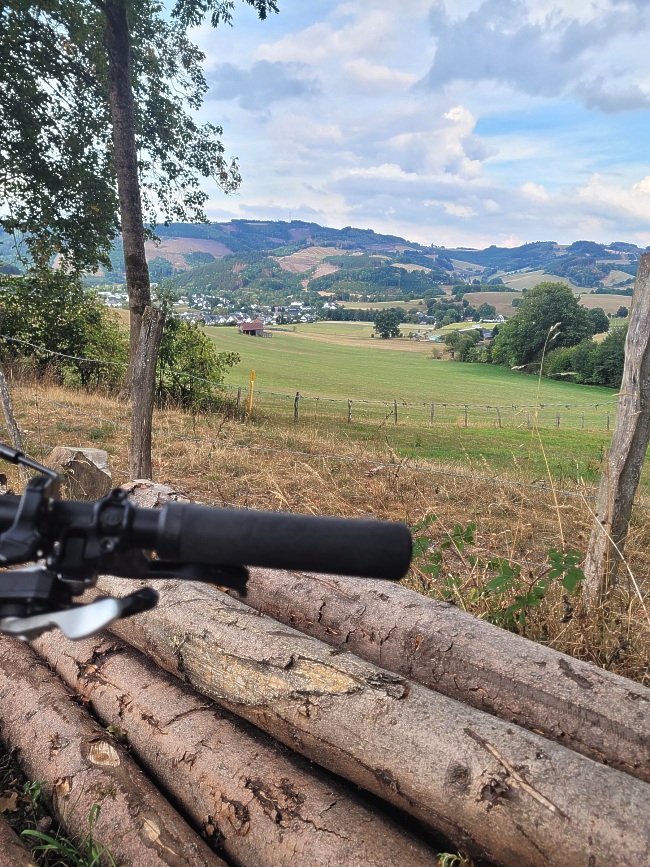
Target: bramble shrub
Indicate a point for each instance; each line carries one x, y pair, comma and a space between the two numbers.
507, 595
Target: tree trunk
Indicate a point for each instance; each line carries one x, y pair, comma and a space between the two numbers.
239, 786
81, 766
497, 791
144, 388
117, 41
626, 453
587, 709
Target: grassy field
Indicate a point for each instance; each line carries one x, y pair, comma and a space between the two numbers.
340, 360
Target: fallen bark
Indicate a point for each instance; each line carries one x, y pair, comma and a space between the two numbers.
497, 791
587, 709
265, 807
81, 766
14, 852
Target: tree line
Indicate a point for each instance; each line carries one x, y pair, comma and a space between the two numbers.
551, 333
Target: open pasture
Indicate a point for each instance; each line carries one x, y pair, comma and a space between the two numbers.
338, 361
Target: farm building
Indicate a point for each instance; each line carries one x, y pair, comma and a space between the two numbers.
254, 329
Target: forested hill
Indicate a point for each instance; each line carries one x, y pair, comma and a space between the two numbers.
183, 248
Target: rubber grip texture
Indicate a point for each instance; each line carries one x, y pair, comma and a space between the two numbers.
203, 534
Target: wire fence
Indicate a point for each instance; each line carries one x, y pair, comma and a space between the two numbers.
302, 406
120, 418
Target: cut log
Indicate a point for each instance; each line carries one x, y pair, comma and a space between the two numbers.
13, 851
265, 807
81, 766
583, 707
497, 791
587, 709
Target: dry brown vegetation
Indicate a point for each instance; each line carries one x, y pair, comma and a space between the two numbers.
272, 464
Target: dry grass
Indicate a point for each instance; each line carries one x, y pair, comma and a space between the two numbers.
272, 464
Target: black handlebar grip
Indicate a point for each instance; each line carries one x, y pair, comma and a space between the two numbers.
202, 534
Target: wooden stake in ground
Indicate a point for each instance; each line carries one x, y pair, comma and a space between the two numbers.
10, 420
497, 791
143, 392
80, 766
264, 806
595, 712
626, 454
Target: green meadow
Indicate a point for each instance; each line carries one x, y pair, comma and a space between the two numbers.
340, 360
331, 363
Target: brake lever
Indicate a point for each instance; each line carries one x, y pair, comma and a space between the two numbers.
80, 621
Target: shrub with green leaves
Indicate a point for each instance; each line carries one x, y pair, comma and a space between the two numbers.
508, 596
46, 312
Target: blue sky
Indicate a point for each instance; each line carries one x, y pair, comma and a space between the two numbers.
455, 122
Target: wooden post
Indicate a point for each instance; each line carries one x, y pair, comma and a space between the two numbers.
498, 417
238, 401
250, 394
607, 419
143, 392
626, 453
12, 426
296, 405
557, 420
465, 415
349, 410
395, 410
433, 412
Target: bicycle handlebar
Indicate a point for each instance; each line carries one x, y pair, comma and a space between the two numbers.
80, 540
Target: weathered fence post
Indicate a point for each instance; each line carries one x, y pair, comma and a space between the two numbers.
607, 419
296, 404
557, 420
238, 401
395, 410
433, 412
465, 415
12, 426
349, 411
626, 453
498, 417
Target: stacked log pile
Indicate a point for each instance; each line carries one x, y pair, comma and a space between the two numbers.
329, 721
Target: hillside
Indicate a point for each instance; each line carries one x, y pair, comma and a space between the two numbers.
356, 264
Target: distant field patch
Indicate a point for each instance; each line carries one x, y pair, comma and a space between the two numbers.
609, 303
416, 304
529, 279
174, 249
311, 257
501, 300
410, 267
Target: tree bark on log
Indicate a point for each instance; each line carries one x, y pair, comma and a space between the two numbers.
14, 852
144, 387
626, 454
585, 708
264, 806
80, 766
497, 791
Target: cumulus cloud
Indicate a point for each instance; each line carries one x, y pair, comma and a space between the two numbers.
260, 85
549, 55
